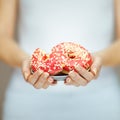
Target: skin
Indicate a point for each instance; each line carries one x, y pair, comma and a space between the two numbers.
16, 57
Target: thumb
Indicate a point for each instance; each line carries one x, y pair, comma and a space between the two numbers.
26, 68
96, 66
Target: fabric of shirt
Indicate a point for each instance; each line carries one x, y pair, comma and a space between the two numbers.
45, 23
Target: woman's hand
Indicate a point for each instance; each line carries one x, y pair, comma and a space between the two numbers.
81, 76
38, 79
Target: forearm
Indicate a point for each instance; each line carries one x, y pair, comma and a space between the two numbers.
11, 53
111, 55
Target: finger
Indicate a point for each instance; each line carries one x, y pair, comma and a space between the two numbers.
26, 68
77, 79
41, 80
54, 82
46, 85
33, 78
69, 81
48, 82
96, 66
84, 73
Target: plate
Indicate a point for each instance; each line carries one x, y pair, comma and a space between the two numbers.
59, 77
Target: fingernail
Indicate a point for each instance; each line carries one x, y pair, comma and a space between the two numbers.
94, 71
26, 75
50, 80
71, 72
68, 80
54, 82
40, 71
77, 66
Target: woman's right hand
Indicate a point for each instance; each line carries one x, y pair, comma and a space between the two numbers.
38, 79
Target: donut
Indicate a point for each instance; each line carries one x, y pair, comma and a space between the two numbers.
73, 54
62, 59
37, 56
45, 62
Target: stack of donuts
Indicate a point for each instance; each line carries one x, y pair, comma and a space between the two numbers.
62, 59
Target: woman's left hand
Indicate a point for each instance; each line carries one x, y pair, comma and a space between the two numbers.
81, 76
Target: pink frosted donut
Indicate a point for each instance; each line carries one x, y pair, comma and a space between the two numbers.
62, 59
40, 60
72, 54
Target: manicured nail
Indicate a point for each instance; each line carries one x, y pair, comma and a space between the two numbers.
26, 75
68, 80
50, 80
77, 66
71, 72
94, 71
40, 71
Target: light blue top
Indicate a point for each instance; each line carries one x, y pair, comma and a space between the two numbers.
44, 23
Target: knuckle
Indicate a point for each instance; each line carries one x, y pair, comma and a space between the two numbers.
27, 78
84, 84
77, 68
77, 85
71, 73
39, 72
82, 71
31, 82
90, 77
46, 74
45, 87
37, 87
42, 79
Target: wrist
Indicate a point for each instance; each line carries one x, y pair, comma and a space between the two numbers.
100, 56
23, 58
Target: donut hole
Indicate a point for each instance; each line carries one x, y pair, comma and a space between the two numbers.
71, 55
